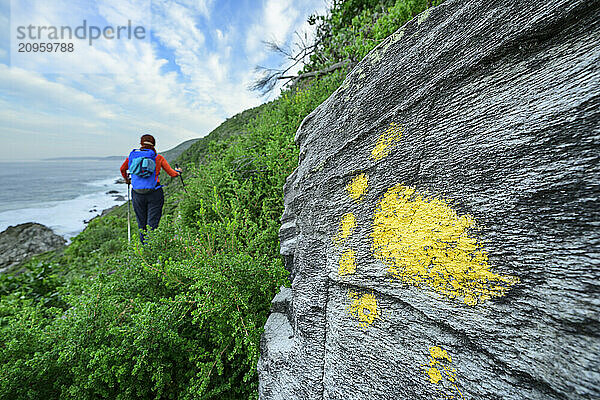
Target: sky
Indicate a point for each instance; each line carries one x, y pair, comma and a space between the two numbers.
189, 74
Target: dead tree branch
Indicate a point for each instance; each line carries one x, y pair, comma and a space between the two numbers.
323, 71
269, 77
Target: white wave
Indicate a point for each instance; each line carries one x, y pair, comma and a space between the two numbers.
66, 218
108, 182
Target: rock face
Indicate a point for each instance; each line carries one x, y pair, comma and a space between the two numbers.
442, 227
20, 242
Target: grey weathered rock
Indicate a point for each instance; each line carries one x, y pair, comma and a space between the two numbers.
108, 210
281, 301
17, 243
483, 108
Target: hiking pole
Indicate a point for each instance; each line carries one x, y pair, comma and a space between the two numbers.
181, 177
128, 213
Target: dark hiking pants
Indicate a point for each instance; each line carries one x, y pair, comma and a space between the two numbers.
148, 209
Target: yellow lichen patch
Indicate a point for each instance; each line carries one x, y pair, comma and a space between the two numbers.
379, 51
423, 16
361, 73
347, 263
396, 36
363, 308
358, 187
439, 354
346, 228
424, 242
383, 147
377, 54
438, 370
434, 375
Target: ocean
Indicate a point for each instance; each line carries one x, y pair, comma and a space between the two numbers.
61, 194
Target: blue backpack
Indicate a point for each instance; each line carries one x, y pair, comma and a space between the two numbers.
142, 165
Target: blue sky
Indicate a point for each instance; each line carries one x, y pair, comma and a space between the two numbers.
189, 77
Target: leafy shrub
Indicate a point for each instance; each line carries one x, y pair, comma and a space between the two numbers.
180, 317
355, 27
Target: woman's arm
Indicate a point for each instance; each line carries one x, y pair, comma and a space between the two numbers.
124, 169
160, 160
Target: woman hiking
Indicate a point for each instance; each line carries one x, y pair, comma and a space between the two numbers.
147, 195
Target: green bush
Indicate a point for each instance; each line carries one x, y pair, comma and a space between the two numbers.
355, 27
180, 317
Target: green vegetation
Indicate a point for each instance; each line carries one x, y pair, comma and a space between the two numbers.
172, 155
234, 126
181, 317
355, 27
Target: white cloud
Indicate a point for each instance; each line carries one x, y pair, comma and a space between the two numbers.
145, 93
212, 79
35, 92
137, 97
4, 31
120, 11
278, 19
176, 27
292, 21
306, 32
202, 7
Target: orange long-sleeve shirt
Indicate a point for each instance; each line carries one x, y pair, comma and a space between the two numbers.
160, 163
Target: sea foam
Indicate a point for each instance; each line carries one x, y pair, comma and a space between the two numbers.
67, 217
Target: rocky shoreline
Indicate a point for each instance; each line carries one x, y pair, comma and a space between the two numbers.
23, 241
20, 242
117, 197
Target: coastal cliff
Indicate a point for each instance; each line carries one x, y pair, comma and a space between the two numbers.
441, 229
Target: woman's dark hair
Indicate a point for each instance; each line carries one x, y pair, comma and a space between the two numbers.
148, 142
